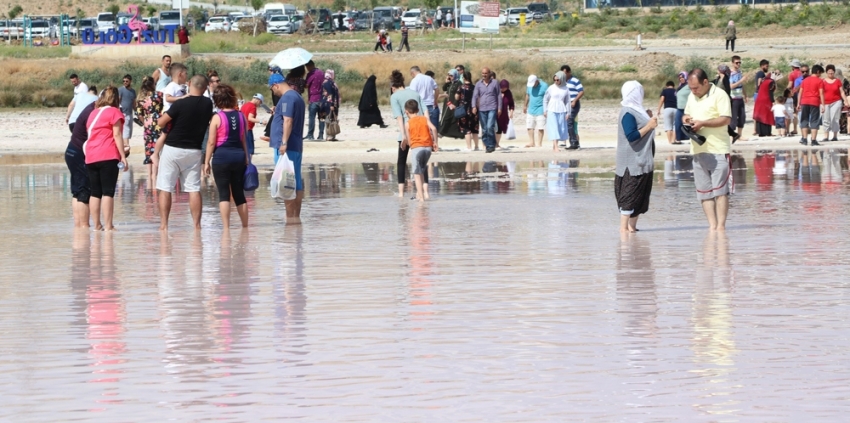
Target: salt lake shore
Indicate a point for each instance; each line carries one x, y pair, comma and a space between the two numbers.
40, 136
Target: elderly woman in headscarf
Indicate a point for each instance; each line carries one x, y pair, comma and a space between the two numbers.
731, 35
722, 80
635, 152
448, 122
329, 106
370, 114
682, 93
508, 106
556, 109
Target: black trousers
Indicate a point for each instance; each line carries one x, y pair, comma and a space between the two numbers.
103, 177
401, 165
404, 44
378, 45
230, 178
733, 44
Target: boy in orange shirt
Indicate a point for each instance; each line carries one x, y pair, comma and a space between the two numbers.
422, 140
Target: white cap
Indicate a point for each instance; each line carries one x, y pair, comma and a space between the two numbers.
532, 79
260, 97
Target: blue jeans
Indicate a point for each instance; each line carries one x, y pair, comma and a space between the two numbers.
311, 127
487, 120
571, 125
434, 116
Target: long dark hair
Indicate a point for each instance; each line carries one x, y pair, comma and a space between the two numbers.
148, 86
397, 79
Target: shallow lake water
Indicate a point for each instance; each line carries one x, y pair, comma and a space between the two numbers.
510, 296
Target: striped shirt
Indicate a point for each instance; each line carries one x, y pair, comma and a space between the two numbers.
575, 87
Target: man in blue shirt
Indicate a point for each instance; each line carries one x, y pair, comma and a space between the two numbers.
286, 138
533, 109
576, 93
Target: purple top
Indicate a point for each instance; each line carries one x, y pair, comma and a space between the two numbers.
314, 85
486, 97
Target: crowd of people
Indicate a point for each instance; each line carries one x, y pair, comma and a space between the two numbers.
196, 126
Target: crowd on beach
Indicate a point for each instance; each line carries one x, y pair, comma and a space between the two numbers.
198, 126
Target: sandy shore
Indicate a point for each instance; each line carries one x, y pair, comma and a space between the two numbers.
40, 136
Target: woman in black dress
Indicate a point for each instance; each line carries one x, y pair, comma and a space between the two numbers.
369, 112
468, 123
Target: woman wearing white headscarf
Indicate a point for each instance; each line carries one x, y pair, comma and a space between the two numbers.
635, 151
556, 109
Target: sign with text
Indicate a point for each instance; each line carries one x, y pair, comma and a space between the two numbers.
479, 17
125, 35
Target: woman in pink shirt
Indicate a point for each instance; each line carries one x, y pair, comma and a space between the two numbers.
104, 153
835, 100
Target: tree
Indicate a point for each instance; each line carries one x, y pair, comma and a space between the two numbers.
257, 5
433, 4
151, 11
113, 9
16, 11
338, 5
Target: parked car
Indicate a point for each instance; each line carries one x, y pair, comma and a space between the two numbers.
83, 24
412, 18
513, 13
279, 24
152, 23
540, 11
40, 29
10, 29
217, 23
105, 21
371, 21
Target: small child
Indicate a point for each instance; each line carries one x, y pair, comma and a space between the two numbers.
422, 140
780, 115
789, 107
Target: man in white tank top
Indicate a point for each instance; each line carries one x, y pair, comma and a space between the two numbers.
162, 76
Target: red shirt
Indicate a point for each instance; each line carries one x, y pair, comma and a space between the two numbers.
249, 108
831, 92
810, 91
183, 37
793, 77
102, 146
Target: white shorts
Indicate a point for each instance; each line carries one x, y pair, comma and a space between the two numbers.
128, 127
182, 164
535, 122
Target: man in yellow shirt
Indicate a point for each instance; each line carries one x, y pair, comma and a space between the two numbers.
709, 112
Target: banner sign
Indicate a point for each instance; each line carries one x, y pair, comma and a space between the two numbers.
124, 35
479, 17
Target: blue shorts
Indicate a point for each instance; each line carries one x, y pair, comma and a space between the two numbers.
780, 122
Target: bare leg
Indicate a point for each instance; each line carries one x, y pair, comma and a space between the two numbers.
195, 208
417, 179
243, 214
531, 138
81, 213
498, 138
814, 134
94, 210
722, 211
108, 208
164, 209
710, 207
475, 140
633, 223
468, 138
624, 223
293, 208
224, 209
670, 137
400, 190
555, 145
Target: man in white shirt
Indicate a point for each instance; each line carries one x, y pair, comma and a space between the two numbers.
79, 88
425, 86
176, 89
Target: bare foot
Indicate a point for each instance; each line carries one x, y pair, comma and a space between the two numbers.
111, 229
529, 146
98, 227
163, 228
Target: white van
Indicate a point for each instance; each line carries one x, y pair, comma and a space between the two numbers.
169, 17
105, 21
271, 9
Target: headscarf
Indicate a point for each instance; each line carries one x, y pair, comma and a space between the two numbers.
329, 76
562, 77
454, 73
684, 75
731, 23
633, 98
724, 70
505, 84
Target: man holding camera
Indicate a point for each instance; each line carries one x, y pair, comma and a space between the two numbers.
707, 116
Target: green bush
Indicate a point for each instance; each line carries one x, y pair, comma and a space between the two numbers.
694, 62
627, 68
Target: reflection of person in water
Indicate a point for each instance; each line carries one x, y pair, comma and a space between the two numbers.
232, 295
289, 293
763, 165
636, 290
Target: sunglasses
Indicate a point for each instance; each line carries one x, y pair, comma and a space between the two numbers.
737, 63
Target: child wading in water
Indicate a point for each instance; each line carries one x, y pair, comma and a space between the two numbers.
422, 136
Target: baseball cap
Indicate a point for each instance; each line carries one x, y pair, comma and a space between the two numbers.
260, 97
532, 79
275, 79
